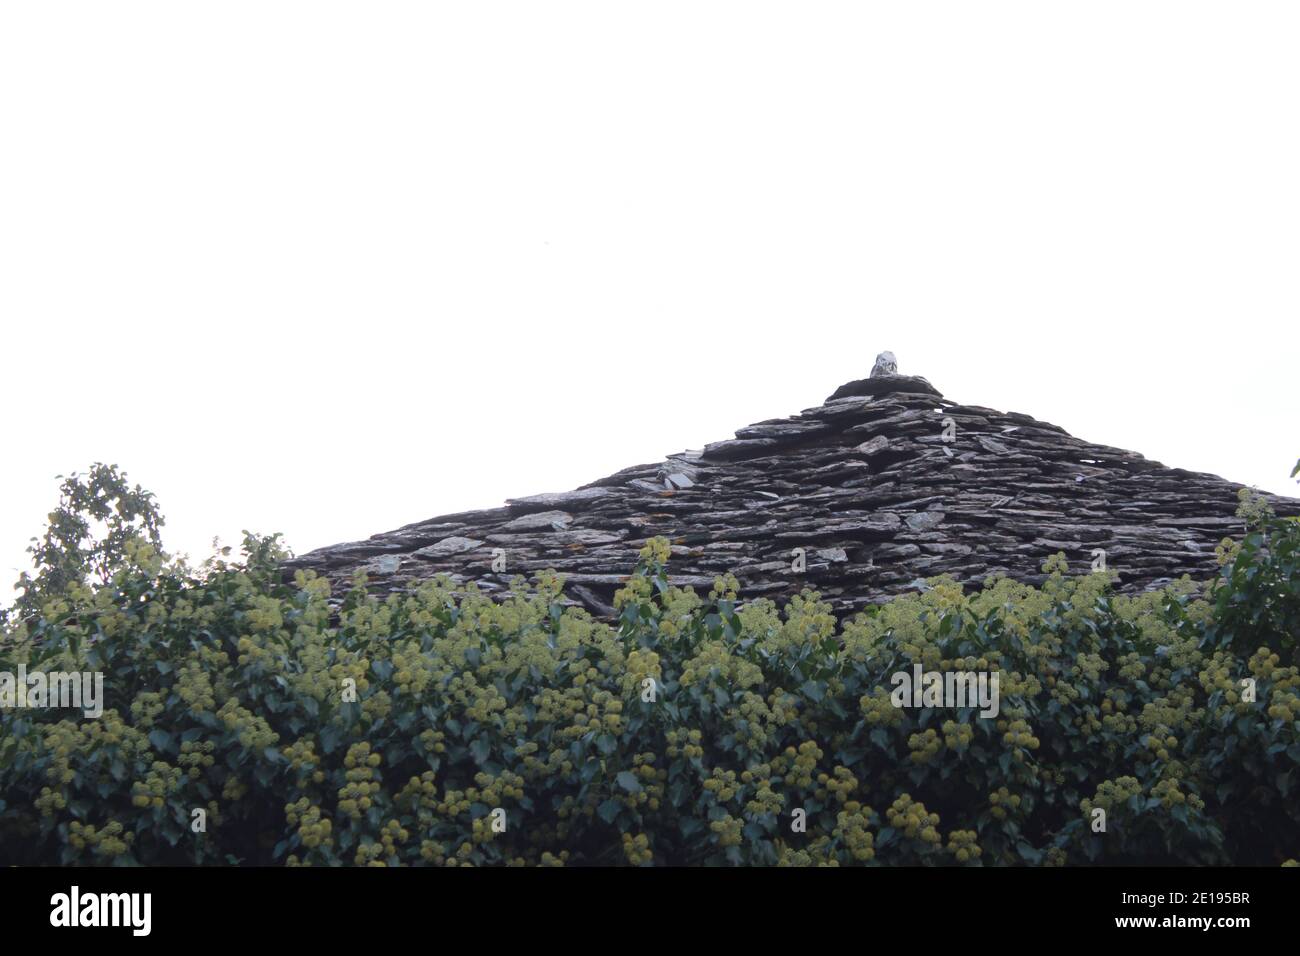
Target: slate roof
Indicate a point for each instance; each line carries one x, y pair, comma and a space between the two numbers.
884, 484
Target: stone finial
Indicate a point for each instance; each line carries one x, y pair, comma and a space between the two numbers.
886, 364
885, 379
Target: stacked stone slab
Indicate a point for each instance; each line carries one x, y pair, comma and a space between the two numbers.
863, 497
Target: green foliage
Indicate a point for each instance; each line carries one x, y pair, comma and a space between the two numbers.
1257, 600
228, 691
87, 534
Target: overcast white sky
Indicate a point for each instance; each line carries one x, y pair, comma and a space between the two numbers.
330, 268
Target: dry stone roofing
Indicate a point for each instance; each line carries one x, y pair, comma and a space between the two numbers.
884, 484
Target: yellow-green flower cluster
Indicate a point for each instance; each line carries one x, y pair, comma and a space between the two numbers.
656, 551
152, 791
1002, 802
1131, 666
453, 803
637, 849
195, 688
817, 853
765, 799
358, 794
264, 614
803, 764
839, 785
370, 854
411, 675
924, 745
684, 742
143, 555
717, 662
962, 845
879, 711
314, 828
431, 851
641, 665
852, 827
913, 819
1018, 734
652, 778
1160, 747
1015, 684
50, 801
722, 785
1253, 507
678, 606
726, 587
1114, 720
728, 829
195, 755
253, 653
304, 761
1284, 705
420, 792
433, 741
493, 790
1057, 564
146, 707
253, 731
1217, 676
110, 841
1263, 662
957, 736
1226, 551
482, 830
751, 719
349, 670
1112, 793
1169, 795
638, 589
393, 835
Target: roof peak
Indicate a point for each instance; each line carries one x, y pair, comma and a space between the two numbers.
884, 379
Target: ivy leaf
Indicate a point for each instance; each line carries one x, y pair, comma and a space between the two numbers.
1028, 853
608, 810
329, 738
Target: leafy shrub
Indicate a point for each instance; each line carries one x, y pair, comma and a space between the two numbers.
1259, 600
229, 692
98, 516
